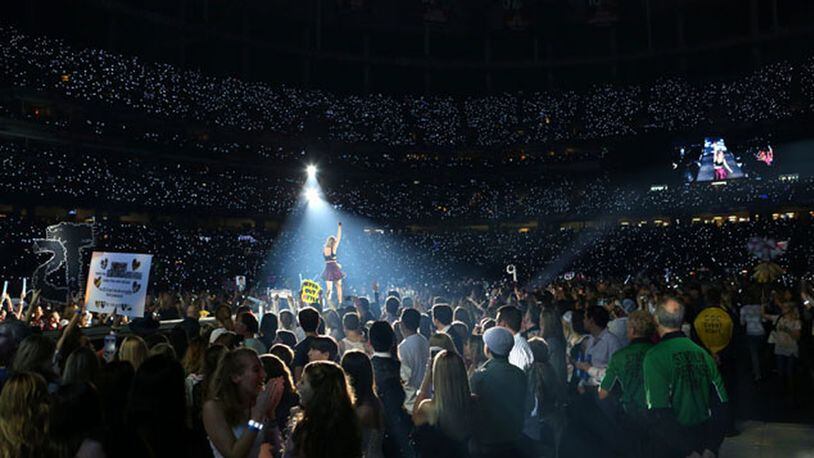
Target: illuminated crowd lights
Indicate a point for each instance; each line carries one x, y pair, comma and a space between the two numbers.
49, 171
184, 255
508, 119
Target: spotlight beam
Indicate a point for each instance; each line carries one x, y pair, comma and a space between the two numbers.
312, 195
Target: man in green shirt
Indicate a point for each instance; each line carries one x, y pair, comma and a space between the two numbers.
624, 377
684, 391
624, 372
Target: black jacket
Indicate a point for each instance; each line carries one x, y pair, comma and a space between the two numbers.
398, 425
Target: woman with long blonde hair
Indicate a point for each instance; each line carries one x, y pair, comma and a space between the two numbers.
238, 404
439, 342
333, 270
36, 353
23, 415
193, 357
443, 422
133, 350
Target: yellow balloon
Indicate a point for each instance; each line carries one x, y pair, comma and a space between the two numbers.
714, 328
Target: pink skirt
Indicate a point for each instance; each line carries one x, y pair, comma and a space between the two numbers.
332, 272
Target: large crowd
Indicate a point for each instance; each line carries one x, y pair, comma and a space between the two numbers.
620, 336
576, 368
178, 95
151, 184
183, 255
77, 175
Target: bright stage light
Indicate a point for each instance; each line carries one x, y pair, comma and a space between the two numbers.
312, 171
312, 195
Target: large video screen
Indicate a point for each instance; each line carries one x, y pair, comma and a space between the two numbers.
714, 160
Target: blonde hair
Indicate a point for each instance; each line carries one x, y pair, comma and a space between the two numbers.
24, 412
330, 242
35, 354
442, 340
572, 337
193, 358
642, 323
452, 399
223, 389
133, 350
82, 366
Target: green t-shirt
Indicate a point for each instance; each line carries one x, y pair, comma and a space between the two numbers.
679, 374
625, 368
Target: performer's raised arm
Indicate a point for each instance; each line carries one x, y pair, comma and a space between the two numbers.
338, 235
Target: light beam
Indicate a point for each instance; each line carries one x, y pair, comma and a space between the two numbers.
312, 195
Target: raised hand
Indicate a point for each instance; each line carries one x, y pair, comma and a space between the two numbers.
35, 297
23, 295
268, 399
6, 301
277, 388
261, 404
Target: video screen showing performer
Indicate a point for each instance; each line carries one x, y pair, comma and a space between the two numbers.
713, 160
718, 163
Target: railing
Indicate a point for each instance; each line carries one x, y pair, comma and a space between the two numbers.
96, 333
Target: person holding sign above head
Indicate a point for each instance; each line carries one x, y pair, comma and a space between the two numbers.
333, 270
311, 294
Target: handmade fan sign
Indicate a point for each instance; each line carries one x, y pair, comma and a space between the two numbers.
310, 291
117, 283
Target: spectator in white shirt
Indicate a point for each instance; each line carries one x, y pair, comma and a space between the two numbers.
414, 352
521, 356
785, 336
511, 317
601, 345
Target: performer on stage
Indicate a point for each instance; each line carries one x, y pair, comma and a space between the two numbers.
766, 155
333, 270
719, 165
